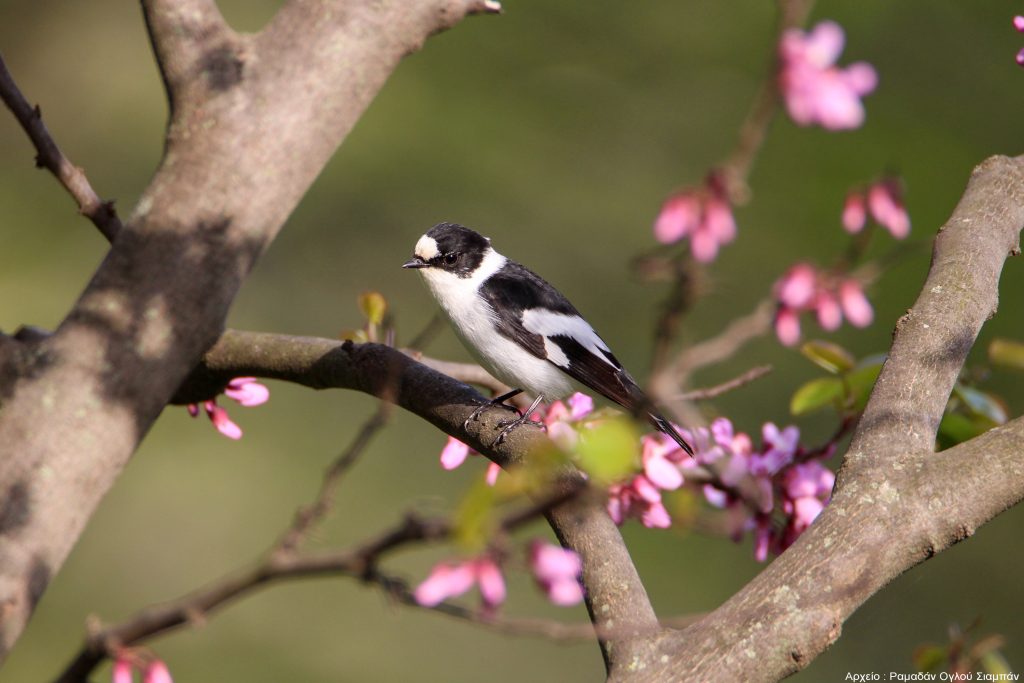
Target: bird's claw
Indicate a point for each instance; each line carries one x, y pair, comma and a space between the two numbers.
509, 425
475, 415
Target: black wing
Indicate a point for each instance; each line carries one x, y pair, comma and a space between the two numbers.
515, 289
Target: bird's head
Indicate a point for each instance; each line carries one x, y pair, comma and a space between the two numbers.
450, 249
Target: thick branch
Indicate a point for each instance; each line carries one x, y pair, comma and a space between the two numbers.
932, 340
616, 597
898, 503
254, 120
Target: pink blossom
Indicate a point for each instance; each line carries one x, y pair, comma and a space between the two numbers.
491, 582
855, 214
782, 482
157, 672
797, 287
222, 422
762, 538
703, 214
122, 671
678, 218
580, 405
806, 489
778, 449
454, 453
815, 90
787, 326
449, 580
639, 498
1018, 23
556, 571
659, 467
883, 199
804, 289
246, 391
886, 206
855, 305
826, 306
493, 470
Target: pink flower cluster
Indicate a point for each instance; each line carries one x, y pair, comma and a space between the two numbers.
816, 91
884, 200
155, 672
785, 480
803, 289
559, 419
640, 497
448, 580
556, 571
1018, 23
702, 214
246, 391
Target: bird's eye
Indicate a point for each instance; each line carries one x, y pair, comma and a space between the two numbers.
450, 259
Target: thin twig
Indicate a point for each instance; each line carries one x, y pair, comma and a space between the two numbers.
715, 349
310, 515
733, 174
49, 156
359, 561
735, 170
725, 387
427, 334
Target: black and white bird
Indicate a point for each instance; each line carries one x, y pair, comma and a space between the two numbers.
520, 328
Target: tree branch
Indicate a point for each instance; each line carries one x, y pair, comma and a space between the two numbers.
282, 563
932, 340
253, 121
616, 598
49, 156
898, 503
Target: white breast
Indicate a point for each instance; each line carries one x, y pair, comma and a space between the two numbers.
473, 321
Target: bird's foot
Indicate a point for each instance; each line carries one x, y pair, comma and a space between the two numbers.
497, 401
507, 426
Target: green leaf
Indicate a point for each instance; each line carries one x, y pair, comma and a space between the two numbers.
861, 381
995, 664
832, 357
816, 394
981, 403
1007, 352
929, 657
956, 428
609, 452
475, 520
373, 305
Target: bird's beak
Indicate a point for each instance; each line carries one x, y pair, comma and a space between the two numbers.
415, 262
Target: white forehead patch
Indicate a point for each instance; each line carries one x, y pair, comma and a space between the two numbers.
426, 248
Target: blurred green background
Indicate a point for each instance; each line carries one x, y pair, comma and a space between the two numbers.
557, 129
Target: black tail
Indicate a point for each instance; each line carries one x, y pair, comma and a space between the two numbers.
665, 427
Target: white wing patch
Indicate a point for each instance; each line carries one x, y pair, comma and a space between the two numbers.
555, 353
550, 324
